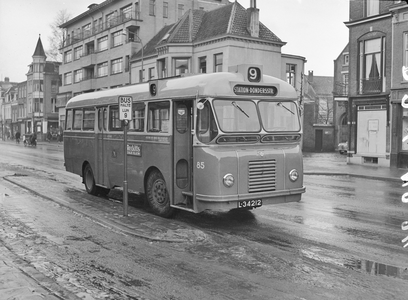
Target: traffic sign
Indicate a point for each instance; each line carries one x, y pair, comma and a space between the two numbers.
125, 108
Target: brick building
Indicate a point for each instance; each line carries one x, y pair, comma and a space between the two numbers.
370, 35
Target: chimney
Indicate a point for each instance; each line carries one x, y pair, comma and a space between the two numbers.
93, 5
310, 76
253, 19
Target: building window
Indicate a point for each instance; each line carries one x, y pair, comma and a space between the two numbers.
102, 69
77, 76
345, 59
127, 63
77, 52
53, 105
202, 64
116, 66
151, 73
181, 66
68, 56
165, 9
68, 78
38, 105
162, 68
218, 62
180, 10
86, 30
110, 20
152, 7
291, 74
371, 65
117, 38
372, 7
345, 83
38, 86
126, 13
140, 75
103, 43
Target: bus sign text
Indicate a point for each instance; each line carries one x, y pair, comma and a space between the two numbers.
125, 108
251, 90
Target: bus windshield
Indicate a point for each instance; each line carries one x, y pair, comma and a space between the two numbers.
279, 116
237, 115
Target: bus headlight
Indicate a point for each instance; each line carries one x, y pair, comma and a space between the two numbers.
293, 175
228, 180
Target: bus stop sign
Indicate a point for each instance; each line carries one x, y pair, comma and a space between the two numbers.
125, 108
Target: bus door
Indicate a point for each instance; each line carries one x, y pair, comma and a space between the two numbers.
183, 157
100, 162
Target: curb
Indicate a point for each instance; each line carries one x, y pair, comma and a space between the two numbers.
393, 179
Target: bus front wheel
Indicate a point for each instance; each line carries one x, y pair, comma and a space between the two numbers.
158, 196
89, 180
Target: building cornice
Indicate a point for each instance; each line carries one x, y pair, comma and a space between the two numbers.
368, 20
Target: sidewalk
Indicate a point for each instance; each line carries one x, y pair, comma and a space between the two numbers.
332, 163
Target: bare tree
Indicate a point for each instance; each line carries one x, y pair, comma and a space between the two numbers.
325, 111
57, 35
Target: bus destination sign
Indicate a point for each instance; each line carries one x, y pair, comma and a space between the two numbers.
251, 90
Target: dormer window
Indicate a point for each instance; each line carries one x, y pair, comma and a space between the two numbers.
372, 7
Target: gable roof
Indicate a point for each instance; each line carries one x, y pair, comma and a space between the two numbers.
198, 26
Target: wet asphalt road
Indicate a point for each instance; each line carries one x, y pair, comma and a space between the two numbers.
342, 240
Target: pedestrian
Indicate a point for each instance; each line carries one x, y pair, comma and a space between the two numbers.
49, 136
18, 135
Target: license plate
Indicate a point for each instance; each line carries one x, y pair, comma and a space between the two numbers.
250, 203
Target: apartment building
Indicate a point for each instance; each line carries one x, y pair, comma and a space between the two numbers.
41, 115
99, 42
399, 85
370, 63
5, 107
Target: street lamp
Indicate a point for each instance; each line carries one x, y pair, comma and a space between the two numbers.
136, 39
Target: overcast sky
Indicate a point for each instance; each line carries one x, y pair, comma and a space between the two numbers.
313, 29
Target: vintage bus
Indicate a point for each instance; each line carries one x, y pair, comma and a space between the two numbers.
220, 141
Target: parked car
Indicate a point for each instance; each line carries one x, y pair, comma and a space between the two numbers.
343, 147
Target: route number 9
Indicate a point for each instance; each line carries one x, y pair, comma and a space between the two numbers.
254, 74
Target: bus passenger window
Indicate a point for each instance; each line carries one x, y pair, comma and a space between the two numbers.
68, 123
138, 117
78, 117
114, 123
206, 126
158, 119
89, 119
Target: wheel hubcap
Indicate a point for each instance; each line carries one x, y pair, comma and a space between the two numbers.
159, 192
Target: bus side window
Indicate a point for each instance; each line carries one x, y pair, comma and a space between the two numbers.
100, 119
158, 119
206, 126
138, 117
78, 117
114, 123
68, 123
89, 119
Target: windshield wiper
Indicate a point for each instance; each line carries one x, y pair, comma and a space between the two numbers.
239, 107
281, 104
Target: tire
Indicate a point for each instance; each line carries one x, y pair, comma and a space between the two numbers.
158, 196
89, 181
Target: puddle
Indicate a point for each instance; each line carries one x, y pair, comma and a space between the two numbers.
361, 265
375, 268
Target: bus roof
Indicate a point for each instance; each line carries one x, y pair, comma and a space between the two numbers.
219, 84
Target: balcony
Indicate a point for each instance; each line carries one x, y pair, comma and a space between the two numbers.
372, 85
86, 33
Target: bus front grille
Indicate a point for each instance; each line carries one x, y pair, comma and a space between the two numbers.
261, 176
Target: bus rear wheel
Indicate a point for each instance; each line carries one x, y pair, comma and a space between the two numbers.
157, 195
89, 180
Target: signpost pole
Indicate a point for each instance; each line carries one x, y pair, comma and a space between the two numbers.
125, 115
125, 183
